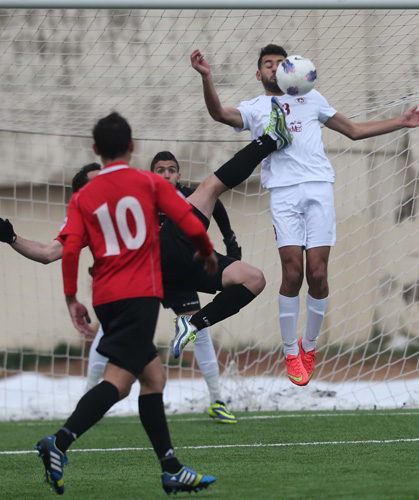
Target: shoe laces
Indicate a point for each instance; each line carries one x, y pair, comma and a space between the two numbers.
294, 363
310, 358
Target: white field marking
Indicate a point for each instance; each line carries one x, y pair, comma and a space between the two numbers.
360, 413
255, 445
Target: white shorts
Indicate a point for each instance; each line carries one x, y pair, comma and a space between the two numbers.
304, 215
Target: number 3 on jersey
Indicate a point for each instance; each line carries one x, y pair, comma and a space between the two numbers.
111, 240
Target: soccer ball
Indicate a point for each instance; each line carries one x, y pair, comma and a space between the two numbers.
296, 75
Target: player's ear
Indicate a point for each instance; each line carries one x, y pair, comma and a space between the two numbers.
258, 76
131, 147
95, 149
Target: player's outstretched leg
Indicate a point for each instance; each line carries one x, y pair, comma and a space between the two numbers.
308, 359
185, 480
277, 127
220, 411
54, 461
185, 332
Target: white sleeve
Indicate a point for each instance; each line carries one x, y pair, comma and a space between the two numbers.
326, 111
245, 111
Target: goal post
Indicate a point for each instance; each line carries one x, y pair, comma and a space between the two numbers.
62, 70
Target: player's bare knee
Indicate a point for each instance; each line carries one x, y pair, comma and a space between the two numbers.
124, 390
159, 382
255, 280
317, 279
292, 278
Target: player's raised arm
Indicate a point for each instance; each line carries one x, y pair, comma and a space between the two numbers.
356, 131
222, 219
229, 116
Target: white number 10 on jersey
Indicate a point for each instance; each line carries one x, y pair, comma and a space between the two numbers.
111, 240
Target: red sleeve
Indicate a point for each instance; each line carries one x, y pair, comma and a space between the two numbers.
74, 235
73, 224
173, 204
70, 263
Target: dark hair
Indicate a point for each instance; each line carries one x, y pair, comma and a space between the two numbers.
164, 156
271, 49
80, 179
112, 136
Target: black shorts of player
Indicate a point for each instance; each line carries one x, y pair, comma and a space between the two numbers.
128, 327
181, 274
179, 300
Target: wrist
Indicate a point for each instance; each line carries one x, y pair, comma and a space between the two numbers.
70, 299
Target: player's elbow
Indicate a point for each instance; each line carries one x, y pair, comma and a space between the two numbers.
217, 115
355, 133
51, 255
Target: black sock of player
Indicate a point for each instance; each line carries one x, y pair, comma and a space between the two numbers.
63, 439
241, 166
89, 410
224, 305
153, 418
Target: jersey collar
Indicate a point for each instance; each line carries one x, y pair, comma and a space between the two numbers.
111, 167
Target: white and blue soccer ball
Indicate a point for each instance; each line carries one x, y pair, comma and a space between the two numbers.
296, 75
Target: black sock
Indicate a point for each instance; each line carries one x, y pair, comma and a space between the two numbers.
225, 304
241, 166
153, 418
89, 410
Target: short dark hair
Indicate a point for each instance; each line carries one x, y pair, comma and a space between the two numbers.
80, 179
271, 49
112, 136
164, 156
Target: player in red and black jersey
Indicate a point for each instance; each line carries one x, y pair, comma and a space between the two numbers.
116, 215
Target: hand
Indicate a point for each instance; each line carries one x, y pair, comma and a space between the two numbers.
411, 117
79, 315
211, 262
232, 247
7, 234
199, 63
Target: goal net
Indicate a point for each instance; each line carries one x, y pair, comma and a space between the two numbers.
62, 70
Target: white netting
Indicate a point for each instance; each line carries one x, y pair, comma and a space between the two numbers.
60, 71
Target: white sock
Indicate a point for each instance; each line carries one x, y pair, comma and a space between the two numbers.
92, 380
316, 309
97, 362
213, 383
208, 363
289, 309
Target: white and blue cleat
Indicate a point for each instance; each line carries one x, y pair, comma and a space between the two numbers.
185, 332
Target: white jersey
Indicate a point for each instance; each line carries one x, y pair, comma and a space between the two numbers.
303, 161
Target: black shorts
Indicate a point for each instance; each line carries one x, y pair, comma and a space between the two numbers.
181, 301
180, 273
128, 327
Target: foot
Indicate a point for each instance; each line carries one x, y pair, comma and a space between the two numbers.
220, 411
308, 359
277, 128
185, 480
296, 371
54, 461
185, 332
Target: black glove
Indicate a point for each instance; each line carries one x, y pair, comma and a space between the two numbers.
7, 234
233, 249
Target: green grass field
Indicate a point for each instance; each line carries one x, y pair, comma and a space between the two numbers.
302, 455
